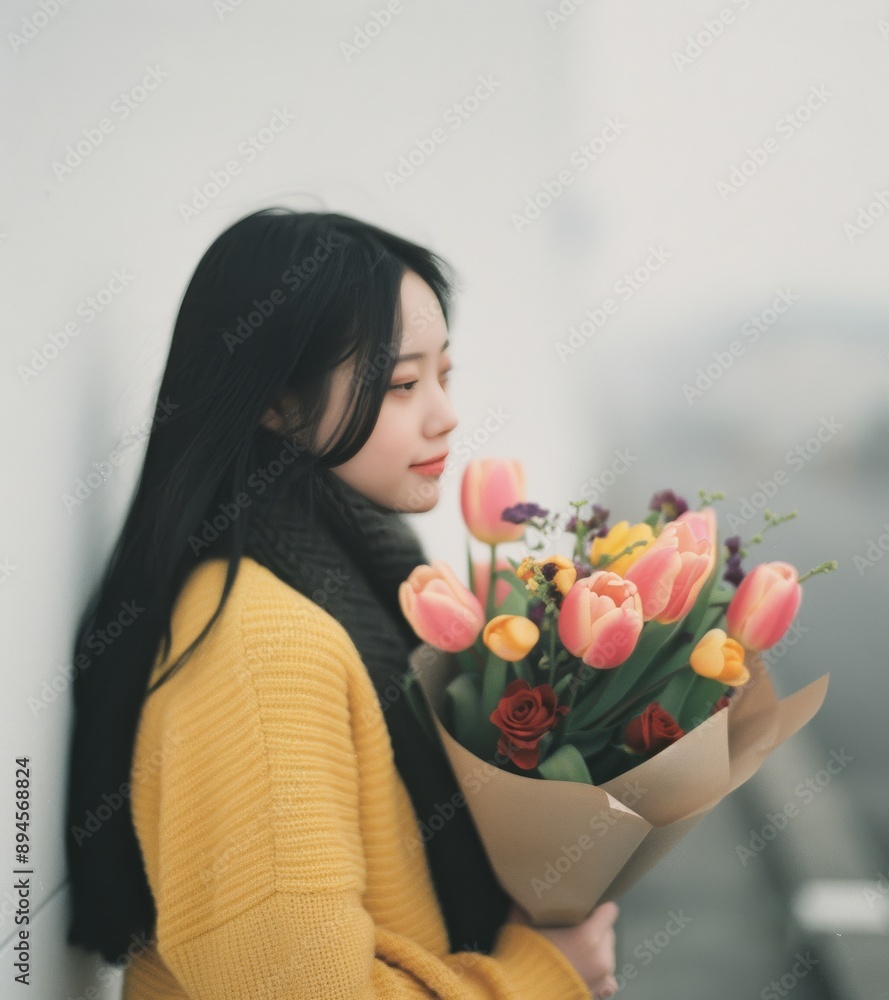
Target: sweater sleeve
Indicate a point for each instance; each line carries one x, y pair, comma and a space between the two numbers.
260, 869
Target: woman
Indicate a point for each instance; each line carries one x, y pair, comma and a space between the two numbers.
246, 781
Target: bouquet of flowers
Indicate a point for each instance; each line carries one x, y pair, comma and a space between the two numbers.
627, 676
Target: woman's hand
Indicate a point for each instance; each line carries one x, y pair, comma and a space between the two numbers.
589, 946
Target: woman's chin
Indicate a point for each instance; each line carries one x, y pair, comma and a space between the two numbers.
421, 496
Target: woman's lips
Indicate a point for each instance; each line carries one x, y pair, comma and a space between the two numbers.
430, 468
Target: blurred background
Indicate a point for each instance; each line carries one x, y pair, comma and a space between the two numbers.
671, 225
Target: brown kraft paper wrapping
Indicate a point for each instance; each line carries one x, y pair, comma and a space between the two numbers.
560, 848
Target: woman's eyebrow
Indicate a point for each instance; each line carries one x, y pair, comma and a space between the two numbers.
421, 354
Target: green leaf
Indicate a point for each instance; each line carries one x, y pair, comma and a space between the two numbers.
493, 683
562, 685
566, 764
471, 728
518, 585
672, 695
589, 742
701, 696
469, 564
635, 672
469, 662
513, 604
524, 670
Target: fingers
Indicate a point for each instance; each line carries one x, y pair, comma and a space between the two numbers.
604, 988
602, 918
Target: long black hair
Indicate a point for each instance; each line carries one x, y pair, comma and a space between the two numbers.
275, 304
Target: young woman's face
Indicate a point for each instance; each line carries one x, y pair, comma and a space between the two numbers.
417, 414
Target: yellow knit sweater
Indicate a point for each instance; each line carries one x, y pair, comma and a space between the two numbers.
280, 844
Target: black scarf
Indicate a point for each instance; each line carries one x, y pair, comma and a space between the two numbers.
347, 553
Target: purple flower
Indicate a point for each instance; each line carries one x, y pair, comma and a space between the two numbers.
733, 544
669, 504
733, 574
521, 512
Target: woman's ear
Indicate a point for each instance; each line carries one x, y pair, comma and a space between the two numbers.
272, 419
282, 412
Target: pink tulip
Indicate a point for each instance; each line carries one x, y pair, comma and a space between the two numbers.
489, 486
672, 570
481, 578
601, 618
764, 605
440, 609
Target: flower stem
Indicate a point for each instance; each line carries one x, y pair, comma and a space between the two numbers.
492, 583
619, 710
825, 567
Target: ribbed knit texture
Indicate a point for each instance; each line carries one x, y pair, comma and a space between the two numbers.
278, 838
350, 554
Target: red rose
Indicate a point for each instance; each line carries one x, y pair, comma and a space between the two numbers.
523, 715
653, 730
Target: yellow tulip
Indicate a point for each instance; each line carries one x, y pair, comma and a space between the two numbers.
510, 636
719, 657
617, 539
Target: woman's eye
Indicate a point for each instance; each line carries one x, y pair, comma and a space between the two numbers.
408, 386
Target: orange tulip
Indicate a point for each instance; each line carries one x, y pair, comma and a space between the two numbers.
489, 486
764, 605
510, 636
440, 609
671, 572
600, 619
719, 657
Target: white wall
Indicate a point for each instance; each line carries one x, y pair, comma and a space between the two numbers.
225, 68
